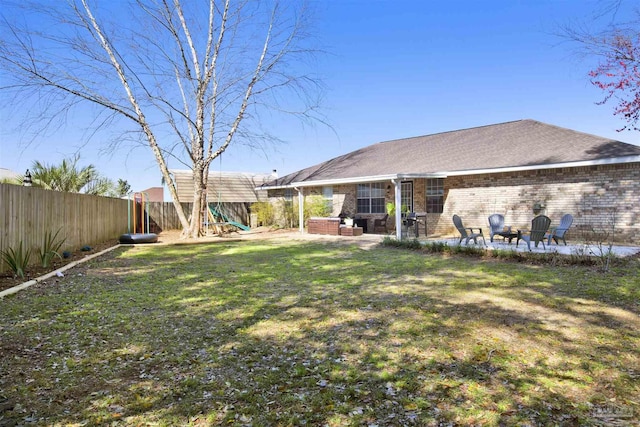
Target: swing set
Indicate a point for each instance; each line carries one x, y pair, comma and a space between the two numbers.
138, 220
215, 216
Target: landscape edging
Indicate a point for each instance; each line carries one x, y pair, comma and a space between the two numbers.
32, 282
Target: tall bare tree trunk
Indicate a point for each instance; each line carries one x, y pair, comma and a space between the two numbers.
192, 77
198, 211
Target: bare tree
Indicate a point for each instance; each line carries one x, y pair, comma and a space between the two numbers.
191, 77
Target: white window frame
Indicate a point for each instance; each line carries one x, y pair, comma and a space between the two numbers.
434, 189
365, 191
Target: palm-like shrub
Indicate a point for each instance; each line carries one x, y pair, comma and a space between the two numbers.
50, 248
69, 177
17, 259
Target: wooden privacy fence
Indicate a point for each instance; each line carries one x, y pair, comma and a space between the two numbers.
163, 215
28, 213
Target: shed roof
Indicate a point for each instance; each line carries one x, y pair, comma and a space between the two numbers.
518, 144
226, 187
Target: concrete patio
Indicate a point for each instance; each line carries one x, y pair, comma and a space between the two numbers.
371, 239
569, 249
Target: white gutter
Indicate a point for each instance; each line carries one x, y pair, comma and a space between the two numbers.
300, 210
398, 202
444, 174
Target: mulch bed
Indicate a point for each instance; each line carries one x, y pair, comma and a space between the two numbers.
8, 280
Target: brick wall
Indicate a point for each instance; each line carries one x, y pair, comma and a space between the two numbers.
611, 196
597, 196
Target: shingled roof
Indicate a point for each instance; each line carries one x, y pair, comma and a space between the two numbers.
225, 187
522, 144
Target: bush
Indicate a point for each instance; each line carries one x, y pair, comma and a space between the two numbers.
413, 244
17, 260
50, 248
583, 257
288, 213
265, 212
468, 250
316, 205
437, 247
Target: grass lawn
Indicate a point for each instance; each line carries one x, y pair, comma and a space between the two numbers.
275, 333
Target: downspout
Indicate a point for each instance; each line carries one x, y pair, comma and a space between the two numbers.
398, 204
300, 209
129, 213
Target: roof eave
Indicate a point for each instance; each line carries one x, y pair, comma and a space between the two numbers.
583, 163
352, 180
444, 174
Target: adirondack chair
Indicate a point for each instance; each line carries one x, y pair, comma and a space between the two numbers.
496, 225
560, 231
539, 227
467, 233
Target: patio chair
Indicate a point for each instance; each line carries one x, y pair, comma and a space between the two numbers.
560, 231
467, 233
380, 225
539, 227
496, 225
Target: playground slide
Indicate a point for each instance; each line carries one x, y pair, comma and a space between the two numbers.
240, 226
225, 218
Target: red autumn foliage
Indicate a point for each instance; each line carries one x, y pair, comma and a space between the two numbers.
619, 77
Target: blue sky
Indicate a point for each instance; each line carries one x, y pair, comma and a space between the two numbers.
396, 69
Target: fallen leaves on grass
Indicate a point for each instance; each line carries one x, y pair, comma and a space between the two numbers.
265, 333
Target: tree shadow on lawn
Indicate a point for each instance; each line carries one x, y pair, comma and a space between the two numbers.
241, 333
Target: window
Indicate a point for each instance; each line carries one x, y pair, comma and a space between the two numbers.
371, 198
435, 195
288, 194
327, 193
406, 196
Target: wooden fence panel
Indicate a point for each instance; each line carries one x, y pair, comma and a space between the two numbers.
163, 215
28, 213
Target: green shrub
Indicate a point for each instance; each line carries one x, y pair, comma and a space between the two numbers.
412, 244
436, 247
265, 212
288, 213
17, 260
506, 254
50, 248
468, 250
598, 257
316, 205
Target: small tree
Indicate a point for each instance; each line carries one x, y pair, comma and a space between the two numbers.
122, 188
69, 177
619, 76
618, 71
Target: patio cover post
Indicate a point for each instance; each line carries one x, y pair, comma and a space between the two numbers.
398, 202
300, 210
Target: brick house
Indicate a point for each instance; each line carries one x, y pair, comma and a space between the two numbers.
504, 168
